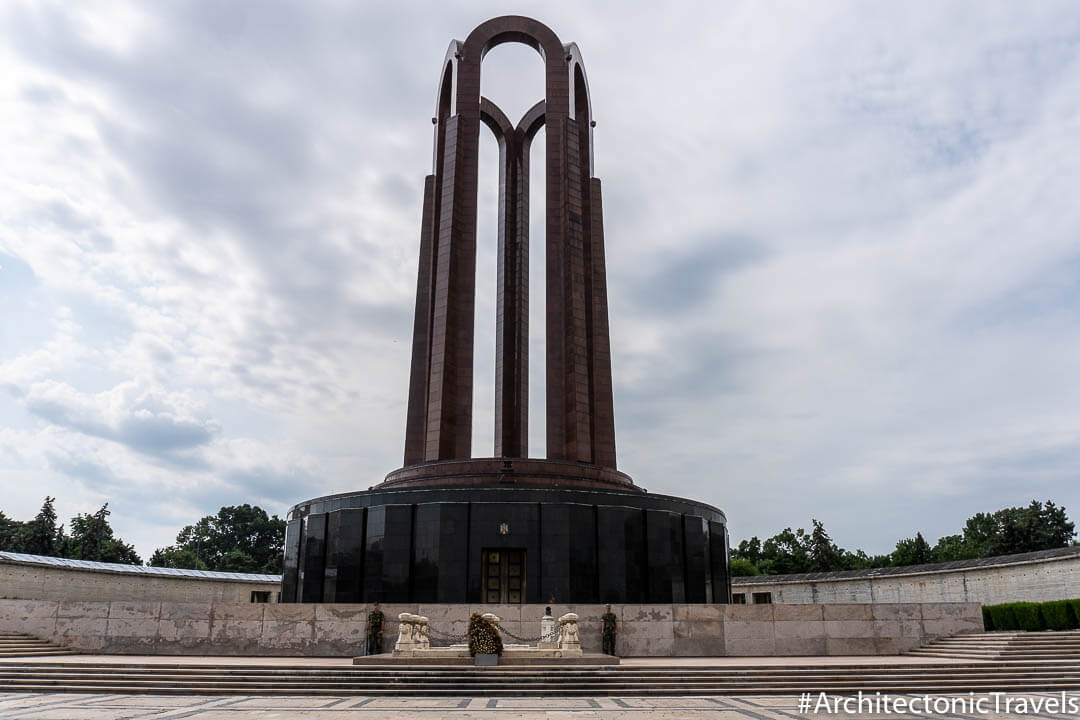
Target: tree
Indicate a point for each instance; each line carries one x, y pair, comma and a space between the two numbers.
741, 567
92, 539
239, 538
953, 547
174, 557
859, 560
912, 551
823, 554
749, 549
42, 535
12, 534
1038, 526
785, 553
980, 531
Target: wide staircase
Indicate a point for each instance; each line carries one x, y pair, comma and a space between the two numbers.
934, 676
1021, 646
20, 645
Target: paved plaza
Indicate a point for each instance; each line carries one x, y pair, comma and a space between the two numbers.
55, 706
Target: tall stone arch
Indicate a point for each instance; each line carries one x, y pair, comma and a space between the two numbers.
580, 417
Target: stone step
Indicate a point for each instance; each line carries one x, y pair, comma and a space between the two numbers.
545, 672
23, 645
491, 675
552, 691
1013, 646
509, 682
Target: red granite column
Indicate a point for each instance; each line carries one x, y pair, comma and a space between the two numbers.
602, 405
577, 437
512, 306
416, 414
449, 412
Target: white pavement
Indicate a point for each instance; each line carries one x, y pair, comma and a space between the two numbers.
54, 706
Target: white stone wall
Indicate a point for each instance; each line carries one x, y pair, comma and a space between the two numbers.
168, 628
1031, 581
37, 582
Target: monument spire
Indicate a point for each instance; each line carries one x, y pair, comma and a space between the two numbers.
579, 412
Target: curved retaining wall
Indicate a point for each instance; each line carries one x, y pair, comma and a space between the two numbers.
27, 580
153, 628
1027, 577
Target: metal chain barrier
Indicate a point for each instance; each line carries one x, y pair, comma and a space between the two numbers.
433, 633
530, 639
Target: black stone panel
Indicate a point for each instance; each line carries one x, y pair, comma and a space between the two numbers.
454, 555
290, 572
581, 546
523, 533
344, 574
397, 553
708, 562
555, 553
718, 556
620, 537
663, 533
584, 582
374, 533
440, 552
695, 539
312, 558
425, 573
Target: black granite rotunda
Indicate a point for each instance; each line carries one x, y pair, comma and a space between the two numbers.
450, 528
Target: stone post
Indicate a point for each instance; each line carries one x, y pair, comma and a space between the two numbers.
422, 637
568, 632
548, 638
407, 632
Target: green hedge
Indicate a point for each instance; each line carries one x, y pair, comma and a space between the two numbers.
1074, 606
1031, 617
1002, 616
1057, 615
1028, 616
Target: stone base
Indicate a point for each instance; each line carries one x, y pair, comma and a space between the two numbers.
459, 655
629, 547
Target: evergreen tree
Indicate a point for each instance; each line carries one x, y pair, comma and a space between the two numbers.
42, 535
92, 539
824, 555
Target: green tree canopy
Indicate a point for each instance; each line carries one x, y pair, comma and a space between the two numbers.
42, 535
173, 557
239, 538
1039, 526
741, 567
92, 538
912, 551
824, 555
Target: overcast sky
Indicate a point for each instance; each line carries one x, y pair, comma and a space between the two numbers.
843, 252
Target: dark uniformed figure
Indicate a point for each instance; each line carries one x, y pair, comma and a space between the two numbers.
374, 631
608, 628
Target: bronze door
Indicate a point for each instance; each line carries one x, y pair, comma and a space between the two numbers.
504, 576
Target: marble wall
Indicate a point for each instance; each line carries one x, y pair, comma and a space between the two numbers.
40, 582
1012, 578
307, 629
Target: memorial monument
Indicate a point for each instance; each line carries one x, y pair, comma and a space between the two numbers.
450, 528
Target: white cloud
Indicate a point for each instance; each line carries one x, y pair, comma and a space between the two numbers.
841, 246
